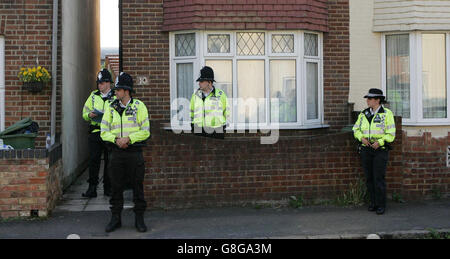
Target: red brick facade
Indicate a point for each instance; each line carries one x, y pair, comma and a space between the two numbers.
245, 15
27, 28
188, 171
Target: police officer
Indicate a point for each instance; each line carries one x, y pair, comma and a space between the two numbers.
375, 130
126, 127
209, 107
92, 112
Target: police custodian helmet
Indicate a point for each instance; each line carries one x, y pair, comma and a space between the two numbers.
104, 76
124, 81
206, 74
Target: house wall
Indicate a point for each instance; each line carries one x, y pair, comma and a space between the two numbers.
365, 53
80, 64
27, 29
409, 15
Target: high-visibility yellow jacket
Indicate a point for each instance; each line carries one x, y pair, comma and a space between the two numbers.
132, 123
96, 102
213, 112
381, 128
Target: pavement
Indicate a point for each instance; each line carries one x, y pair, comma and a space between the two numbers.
87, 218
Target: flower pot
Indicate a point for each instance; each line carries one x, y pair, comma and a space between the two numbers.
33, 87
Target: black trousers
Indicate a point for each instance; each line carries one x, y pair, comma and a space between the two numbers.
127, 167
96, 148
374, 163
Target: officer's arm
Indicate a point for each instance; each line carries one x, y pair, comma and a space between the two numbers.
144, 125
226, 110
105, 126
356, 129
389, 133
87, 109
192, 108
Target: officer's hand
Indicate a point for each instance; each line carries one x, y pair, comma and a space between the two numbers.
92, 115
376, 145
365, 142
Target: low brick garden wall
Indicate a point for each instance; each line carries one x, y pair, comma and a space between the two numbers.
30, 182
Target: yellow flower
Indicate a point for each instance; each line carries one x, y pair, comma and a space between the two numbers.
25, 73
33, 70
29, 70
22, 69
39, 68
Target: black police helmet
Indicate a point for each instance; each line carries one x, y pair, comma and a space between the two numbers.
104, 76
376, 93
124, 81
206, 74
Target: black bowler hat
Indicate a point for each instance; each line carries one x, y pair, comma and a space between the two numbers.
124, 81
375, 93
206, 74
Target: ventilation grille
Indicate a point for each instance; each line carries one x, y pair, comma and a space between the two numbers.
448, 156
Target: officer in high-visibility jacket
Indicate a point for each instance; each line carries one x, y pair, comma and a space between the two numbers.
126, 127
92, 112
375, 129
209, 107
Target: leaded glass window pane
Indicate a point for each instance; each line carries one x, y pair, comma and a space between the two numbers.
251, 43
311, 44
185, 45
283, 43
219, 43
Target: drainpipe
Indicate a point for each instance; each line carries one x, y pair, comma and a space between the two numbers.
54, 70
2, 85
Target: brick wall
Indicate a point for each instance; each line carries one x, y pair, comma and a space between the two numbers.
27, 27
336, 72
190, 171
426, 173
30, 180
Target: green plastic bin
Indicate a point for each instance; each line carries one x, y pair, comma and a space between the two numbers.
19, 141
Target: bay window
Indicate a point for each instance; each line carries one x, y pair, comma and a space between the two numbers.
270, 77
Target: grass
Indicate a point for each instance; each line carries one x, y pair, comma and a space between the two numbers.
356, 195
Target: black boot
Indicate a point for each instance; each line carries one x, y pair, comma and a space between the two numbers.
139, 222
107, 190
115, 223
91, 192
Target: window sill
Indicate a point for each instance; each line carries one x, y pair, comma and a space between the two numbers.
418, 124
187, 127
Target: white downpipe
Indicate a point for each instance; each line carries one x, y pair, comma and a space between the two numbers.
54, 70
2, 85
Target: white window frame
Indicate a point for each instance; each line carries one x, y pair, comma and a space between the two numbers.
416, 86
202, 56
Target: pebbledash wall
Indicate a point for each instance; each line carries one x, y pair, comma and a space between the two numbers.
188, 171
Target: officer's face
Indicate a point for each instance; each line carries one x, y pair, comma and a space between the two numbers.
120, 93
104, 86
205, 85
372, 102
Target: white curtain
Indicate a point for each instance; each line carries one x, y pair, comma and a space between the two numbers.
185, 88
312, 90
434, 83
398, 75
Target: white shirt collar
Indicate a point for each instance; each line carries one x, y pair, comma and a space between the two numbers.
124, 106
375, 112
105, 95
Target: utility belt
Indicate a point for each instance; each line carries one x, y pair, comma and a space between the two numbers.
93, 127
136, 147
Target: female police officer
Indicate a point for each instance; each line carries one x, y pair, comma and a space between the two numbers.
375, 129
